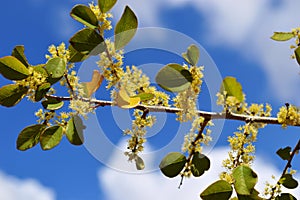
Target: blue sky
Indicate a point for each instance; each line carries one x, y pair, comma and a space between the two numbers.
236, 36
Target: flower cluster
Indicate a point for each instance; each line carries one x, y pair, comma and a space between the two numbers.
187, 99
44, 117
32, 82
110, 63
138, 132
242, 147
78, 104
59, 51
288, 115
272, 189
105, 24
189, 144
135, 82
52, 118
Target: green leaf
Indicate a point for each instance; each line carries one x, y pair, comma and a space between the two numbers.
289, 182
13, 69
76, 56
192, 55
297, 54
284, 153
245, 180
74, 131
220, 190
56, 67
232, 87
139, 163
145, 96
12, 94
84, 15
88, 41
106, 5
285, 196
41, 91
282, 36
253, 196
18, 52
201, 163
51, 137
29, 136
125, 28
172, 164
52, 103
174, 78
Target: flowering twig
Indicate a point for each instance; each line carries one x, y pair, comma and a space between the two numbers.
206, 114
194, 143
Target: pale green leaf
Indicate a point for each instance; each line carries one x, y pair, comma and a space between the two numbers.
282, 36
174, 78
106, 5
232, 88
125, 28
245, 180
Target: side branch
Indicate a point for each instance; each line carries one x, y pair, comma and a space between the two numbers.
205, 114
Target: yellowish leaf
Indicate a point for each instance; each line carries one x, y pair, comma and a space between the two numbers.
92, 86
125, 101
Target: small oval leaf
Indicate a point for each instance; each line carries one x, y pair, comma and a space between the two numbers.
124, 101
284, 153
232, 87
30, 136
12, 94
245, 180
125, 28
51, 137
74, 131
282, 36
285, 196
55, 67
192, 55
201, 163
172, 164
52, 104
88, 41
13, 69
84, 15
18, 52
174, 78
297, 54
289, 182
221, 190
145, 96
139, 163
106, 5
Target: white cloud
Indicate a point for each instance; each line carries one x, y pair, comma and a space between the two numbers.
119, 185
12, 188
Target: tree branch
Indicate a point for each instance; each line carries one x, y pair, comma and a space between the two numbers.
205, 114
